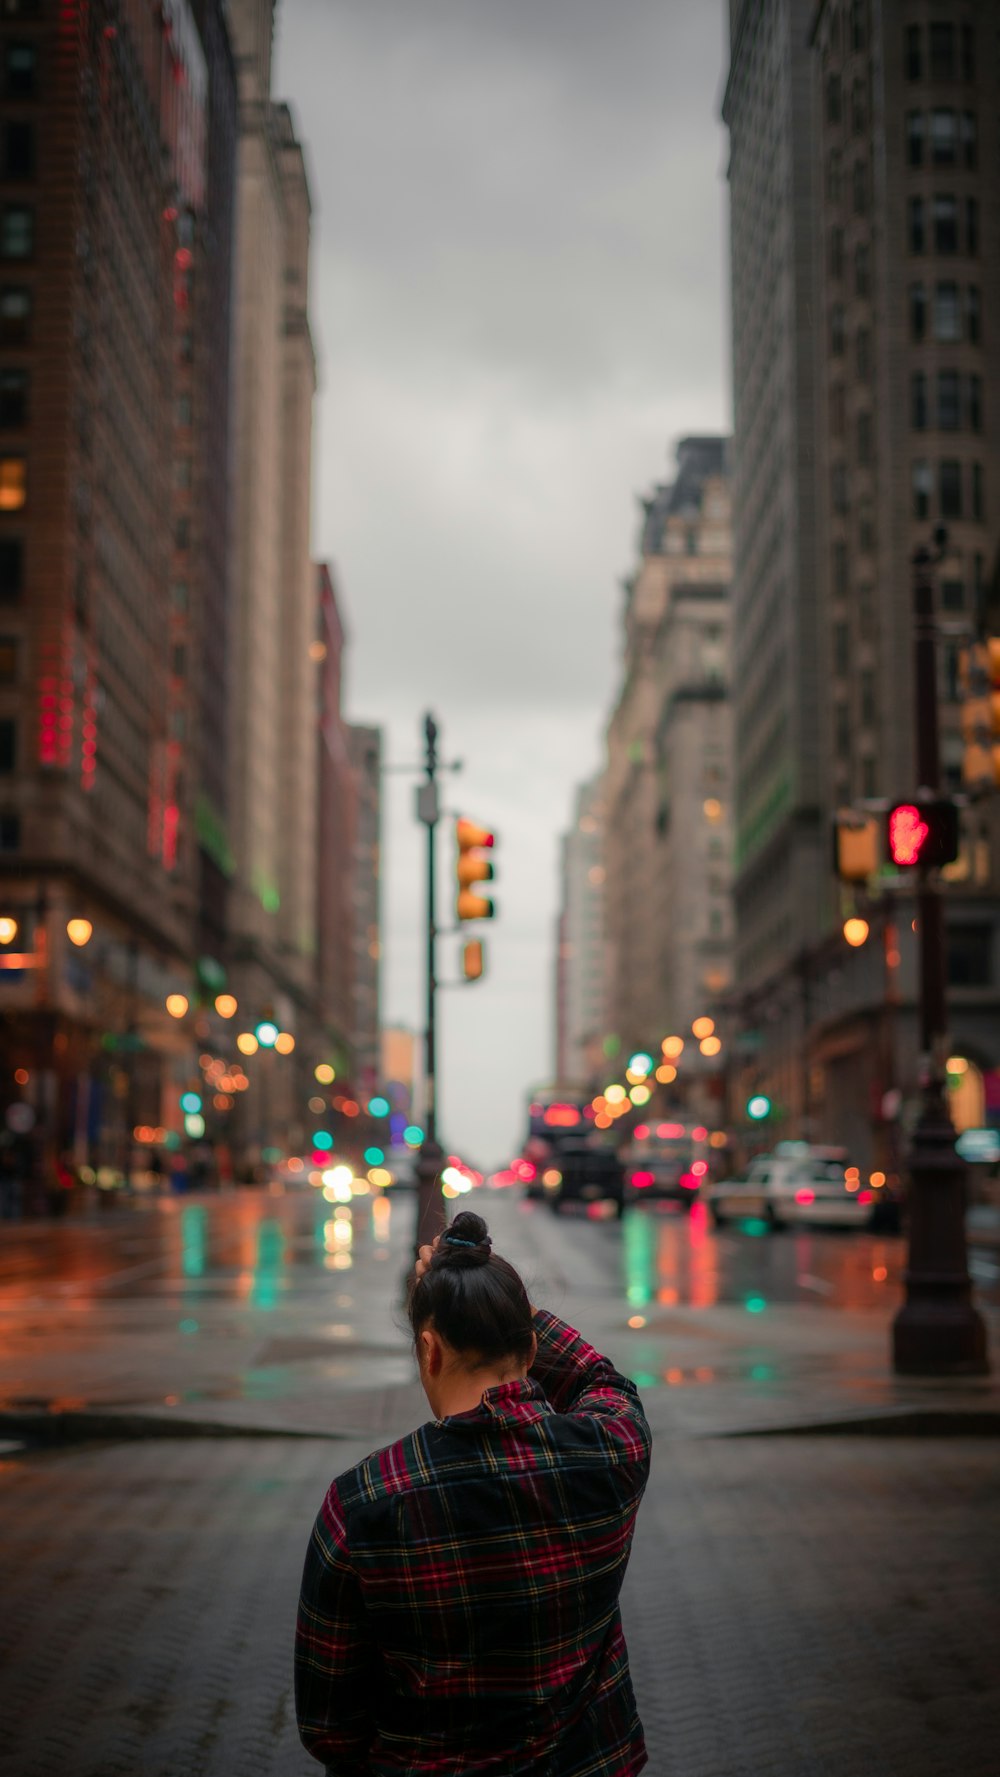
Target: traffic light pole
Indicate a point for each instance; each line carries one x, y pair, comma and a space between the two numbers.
938, 1331
430, 1203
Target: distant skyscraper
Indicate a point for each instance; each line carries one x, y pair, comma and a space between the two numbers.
580, 983
667, 787
335, 859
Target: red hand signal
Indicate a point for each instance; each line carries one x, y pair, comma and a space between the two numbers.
908, 832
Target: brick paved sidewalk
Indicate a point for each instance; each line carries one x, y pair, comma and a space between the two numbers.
786, 1609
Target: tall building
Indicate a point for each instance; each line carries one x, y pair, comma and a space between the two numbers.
864, 147
272, 725
580, 973
666, 791
108, 201
336, 830
366, 755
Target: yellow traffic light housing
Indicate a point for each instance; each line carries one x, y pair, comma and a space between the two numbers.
857, 850
471, 868
979, 673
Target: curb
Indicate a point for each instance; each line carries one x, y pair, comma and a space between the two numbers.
58, 1429
896, 1422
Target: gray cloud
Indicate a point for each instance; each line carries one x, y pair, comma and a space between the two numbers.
518, 303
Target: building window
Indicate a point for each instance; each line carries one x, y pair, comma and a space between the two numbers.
917, 225
918, 401
11, 569
970, 956
859, 187
945, 224
944, 138
13, 484
182, 534
918, 311
975, 404
841, 650
970, 149
915, 138
836, 252
837, 410
182, 472
869, 714
972, 226
858, 108
866, 612
973, 323
838, 487
862, 270
952, 595
922, 480
833, 100
864, 438
833, 176
182, 412
837, 330
857, 25
869, 777
20, 70
978, 498
839, 560
10, 832
863, 354
15, 315
866, 527
179, 595
968, 52
947, 319
17, 232
9, 651
949, 402
13, 397
842, 730
8, 745
913, 53
950, 488
185, 348
942, 58
19, 151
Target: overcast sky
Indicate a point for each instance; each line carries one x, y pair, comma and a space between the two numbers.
519, 306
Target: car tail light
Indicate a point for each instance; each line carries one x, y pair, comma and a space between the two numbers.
866, 1196
699, 1168
690, 1181
804, 1195
641, 1179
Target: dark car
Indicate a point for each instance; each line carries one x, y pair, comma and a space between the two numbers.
583, 1171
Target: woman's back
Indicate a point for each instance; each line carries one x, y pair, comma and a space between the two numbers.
459, 1605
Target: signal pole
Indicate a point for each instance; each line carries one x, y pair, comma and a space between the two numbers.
430, 1203
938, 1331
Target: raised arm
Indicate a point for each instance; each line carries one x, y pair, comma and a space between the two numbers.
334, 1652
577, 1380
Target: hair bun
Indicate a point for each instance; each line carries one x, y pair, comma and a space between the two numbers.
466, 1241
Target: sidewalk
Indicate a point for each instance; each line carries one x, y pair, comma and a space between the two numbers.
797, 1606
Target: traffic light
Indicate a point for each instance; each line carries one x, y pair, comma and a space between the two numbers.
473, 960
470, 868
979, 674
922, 833
758, 1107
855, 845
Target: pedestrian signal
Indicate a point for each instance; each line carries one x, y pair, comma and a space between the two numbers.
979, 677
470, 868
922, 833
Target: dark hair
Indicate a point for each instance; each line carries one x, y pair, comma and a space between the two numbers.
472, 1297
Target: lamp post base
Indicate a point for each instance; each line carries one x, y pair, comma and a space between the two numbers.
937, 1332
430, 1203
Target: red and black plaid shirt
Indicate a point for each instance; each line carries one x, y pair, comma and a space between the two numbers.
459, 1608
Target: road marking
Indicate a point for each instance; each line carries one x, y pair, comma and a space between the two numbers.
815, 1283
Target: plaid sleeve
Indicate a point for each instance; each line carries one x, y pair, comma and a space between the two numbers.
334, 1651
577, 1380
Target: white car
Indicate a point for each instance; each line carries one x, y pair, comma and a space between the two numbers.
799, 1186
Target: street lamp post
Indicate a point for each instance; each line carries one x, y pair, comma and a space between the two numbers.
430, 1204
937, 1331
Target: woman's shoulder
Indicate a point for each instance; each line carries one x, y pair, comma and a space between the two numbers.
398, 1468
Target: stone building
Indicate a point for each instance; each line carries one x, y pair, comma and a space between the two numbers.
581, 966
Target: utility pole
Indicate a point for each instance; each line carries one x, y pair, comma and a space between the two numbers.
938, 1331
430, 1203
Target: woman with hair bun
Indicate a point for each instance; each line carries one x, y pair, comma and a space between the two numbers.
459, 1606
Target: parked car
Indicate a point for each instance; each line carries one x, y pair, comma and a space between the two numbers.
665, 1160
804, 1186
584, 1171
